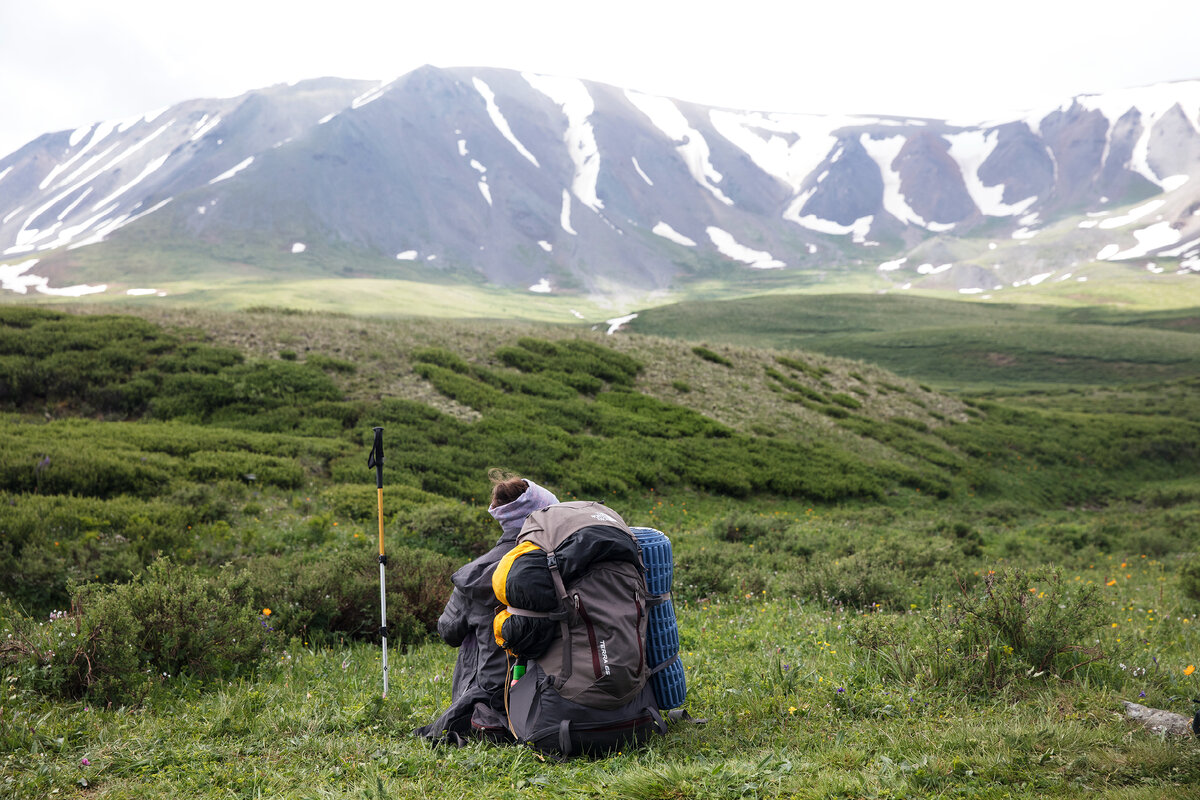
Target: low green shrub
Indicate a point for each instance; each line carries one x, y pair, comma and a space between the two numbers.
745, 526
714, 357
442, 358
120, 640
336, 593
1189, 579
329, 364
452, 529
801, 366
360, 502
845, 400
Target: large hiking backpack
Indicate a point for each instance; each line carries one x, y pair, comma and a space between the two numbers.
576, 613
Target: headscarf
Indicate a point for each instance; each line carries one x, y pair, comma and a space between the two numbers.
511, 516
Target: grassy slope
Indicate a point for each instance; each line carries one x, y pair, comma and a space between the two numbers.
951, 342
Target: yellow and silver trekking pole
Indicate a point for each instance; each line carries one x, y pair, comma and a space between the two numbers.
376, 460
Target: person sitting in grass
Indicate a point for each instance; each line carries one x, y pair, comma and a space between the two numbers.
477, 693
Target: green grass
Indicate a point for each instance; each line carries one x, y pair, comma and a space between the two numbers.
953, 343
783, 599
794, 709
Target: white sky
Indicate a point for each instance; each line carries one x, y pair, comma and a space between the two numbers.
64, 63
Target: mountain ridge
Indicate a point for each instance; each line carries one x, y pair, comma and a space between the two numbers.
559, 185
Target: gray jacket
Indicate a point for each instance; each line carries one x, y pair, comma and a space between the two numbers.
477, 690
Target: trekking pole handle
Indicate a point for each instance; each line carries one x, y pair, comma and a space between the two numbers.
376, 458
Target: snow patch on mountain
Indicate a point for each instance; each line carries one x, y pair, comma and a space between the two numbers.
572, 96
1155, 237
1152, 103
614, 325
564, 216
667, 232
860, 227
636, 166
149, 169
787, 146
930, 269
541, 287
74, 203
1133, 215
970, 149
1173, 182
689, 143
229, 173
731, 248
204, 126
489, 98
884, 153
370, 95
13, 277
106, 228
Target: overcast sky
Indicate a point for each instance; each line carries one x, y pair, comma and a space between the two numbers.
65, 63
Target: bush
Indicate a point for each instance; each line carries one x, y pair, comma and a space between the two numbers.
337, 594
118, 641
453, 529
360, 502
709, 355
744, 526
845, 400
1189, 579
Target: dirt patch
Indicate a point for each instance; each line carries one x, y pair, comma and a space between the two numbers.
1000, 359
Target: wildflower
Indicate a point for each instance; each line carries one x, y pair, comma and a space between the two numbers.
1189, 669
266, 612
1141, 694
1113, 582
791, 709
83, 762
841, 690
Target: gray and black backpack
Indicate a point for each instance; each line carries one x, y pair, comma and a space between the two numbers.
575, 613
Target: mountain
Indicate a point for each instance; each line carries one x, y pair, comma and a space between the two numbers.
564, 186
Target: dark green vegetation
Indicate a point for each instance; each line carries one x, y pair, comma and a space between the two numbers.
951, 343
883, 590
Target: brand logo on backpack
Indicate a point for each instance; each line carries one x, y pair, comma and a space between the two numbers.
604, 658
603, 517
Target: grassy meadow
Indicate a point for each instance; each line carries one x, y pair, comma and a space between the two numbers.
884, 588
955, 345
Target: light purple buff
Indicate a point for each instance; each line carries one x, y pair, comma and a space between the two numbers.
511, 516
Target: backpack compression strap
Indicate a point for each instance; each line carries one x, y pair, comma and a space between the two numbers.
564, 608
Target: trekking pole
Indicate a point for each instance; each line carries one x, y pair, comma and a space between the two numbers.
376, 460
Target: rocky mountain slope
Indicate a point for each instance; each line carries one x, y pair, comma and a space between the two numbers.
559, 185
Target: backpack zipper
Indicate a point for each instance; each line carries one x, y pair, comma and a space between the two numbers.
591, 632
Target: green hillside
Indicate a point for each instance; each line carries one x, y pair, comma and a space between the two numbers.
953, 343
883, 589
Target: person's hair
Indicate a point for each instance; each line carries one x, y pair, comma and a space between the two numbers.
506, 487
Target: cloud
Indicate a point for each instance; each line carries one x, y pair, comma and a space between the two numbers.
73, 62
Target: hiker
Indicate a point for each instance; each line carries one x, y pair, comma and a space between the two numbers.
477, 693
